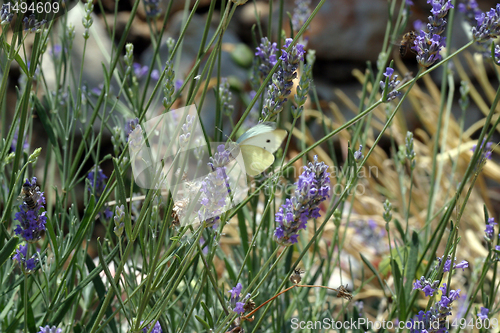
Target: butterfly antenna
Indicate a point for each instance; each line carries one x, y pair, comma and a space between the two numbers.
228, 139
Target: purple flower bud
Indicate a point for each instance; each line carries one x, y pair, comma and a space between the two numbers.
48, 329
313, 187
483, 314
391, 86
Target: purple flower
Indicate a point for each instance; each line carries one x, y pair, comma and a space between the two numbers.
409, 3
434, 320
483, 314
55, 50
428, 47
429, 42
31, 24
97, 184
21, 257
225, 97
130, 126
282, 80
391, 85
447, 265
470, 9
236, 291
266, 52
31, 222
428, 290
313, 187
97, 180
489, 232
301, 13
497, 55
215, 188
486, 148
178, 84
358, 154
5, 15
204, 246
426, 286
463, 265
488, 25
155, 74
13, 144
239, 307
152, 8
98, 90
236, 304
419, 25
156, 328
48, 329
139, 70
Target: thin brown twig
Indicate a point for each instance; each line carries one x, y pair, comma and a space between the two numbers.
341, 293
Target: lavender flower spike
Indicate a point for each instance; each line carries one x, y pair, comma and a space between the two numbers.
489, 232
156, 328
282, 80
301, 13
391, 85
5, 15
237, 305
21, 257
488, 25
471, 10
215, 188
267, 56
483, 314
97, 180
434, 320
313, 187
31, 222
429, 43
48, 329
428, 48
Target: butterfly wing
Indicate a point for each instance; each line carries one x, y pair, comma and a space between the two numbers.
269, 141
256, 159
265, 136
257, 146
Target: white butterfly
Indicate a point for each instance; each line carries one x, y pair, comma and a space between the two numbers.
257, 146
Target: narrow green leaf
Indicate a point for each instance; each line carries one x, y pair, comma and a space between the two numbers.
52, 235
101, 293
242, 227
372, 268
398, 280
204, 323
230, 271
400, 229
19, 60
8, 249
82, 228
411, 266
63, 310
43, 115
207, 314
111, 280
